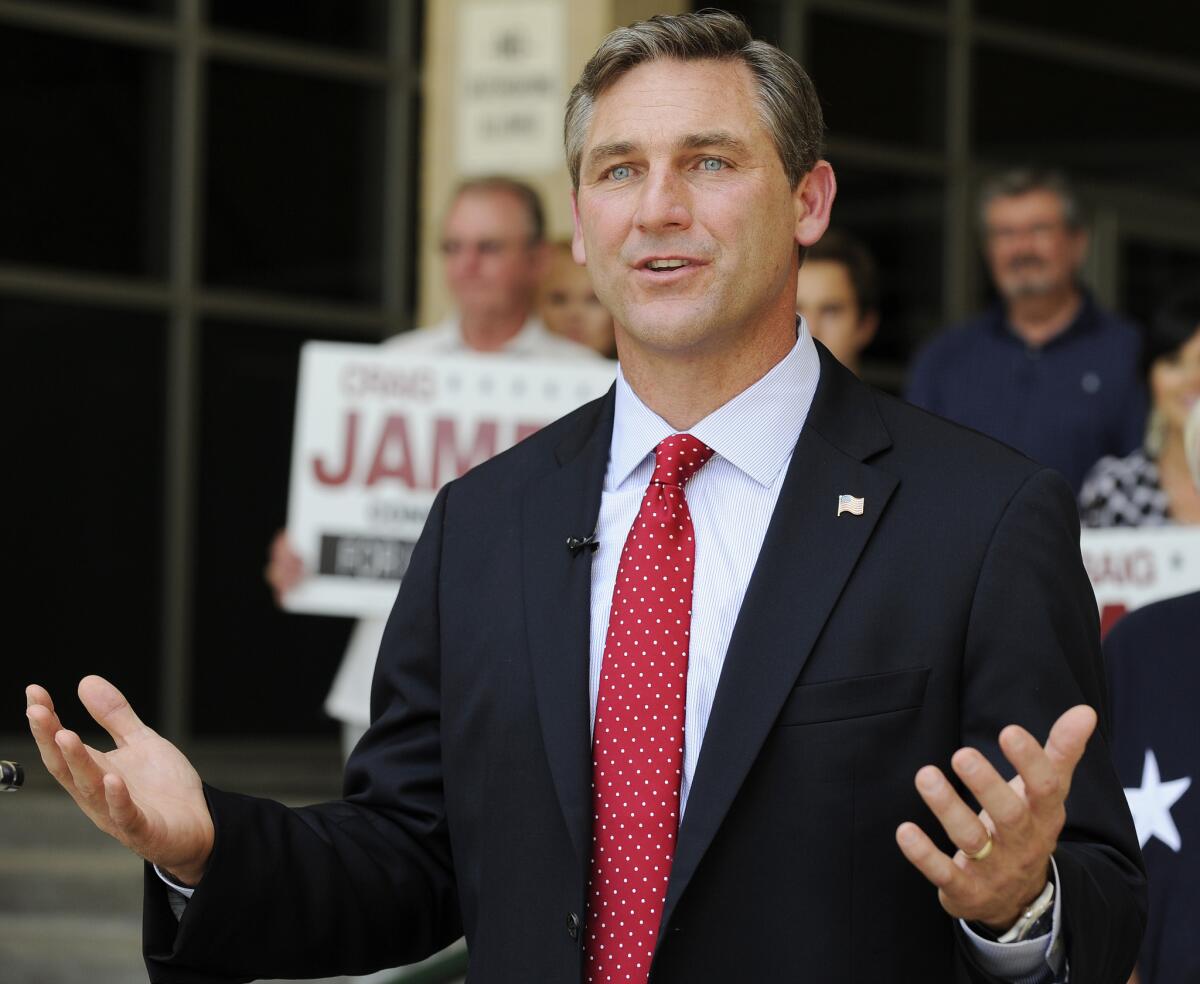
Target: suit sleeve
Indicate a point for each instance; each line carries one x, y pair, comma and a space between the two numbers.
1033, 650
345, 887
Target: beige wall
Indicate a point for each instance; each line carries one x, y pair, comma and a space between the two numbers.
587, 23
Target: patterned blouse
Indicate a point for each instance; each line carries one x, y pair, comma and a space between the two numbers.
1124, 492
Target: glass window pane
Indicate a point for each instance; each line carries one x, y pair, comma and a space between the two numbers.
130, 6
293, 184
1151, 272
86, 536
1092, 123
86, 153
764, 17
878, 82
355, 24
1167, 28
908, 4
249, 382
899, 218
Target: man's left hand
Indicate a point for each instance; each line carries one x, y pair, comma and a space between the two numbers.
1023, 817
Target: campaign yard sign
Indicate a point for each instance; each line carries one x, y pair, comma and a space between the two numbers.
1133, 567
378, 433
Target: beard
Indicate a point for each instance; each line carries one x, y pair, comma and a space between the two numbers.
1026, 277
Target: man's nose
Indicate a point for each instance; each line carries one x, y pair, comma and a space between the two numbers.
466, 260
664, 202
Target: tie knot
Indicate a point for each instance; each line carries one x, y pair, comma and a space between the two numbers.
678, 458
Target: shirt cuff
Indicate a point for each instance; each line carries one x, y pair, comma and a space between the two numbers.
1033, 961
172, 884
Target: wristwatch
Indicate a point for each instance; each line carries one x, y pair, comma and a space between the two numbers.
1036, 920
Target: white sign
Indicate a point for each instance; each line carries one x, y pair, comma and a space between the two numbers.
378, 433
511, 69
1133, 567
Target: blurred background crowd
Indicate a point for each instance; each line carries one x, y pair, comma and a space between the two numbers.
191, 189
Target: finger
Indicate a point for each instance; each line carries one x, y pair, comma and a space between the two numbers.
112, 712
44, 724
1039, 776
1007, 810
1067, 741
87, 777
36, 694
934, 864
961, 823
126, 816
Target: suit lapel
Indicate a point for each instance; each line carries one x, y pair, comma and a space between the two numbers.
557, 589
806, 558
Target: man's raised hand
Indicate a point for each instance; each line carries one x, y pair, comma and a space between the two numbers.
144, 793
1023, 817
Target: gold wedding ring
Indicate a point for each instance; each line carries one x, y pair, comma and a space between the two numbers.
983, 852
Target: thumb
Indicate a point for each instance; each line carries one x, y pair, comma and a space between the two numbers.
1068, 739
108, 706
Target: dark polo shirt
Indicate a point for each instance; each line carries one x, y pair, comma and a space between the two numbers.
1066, 404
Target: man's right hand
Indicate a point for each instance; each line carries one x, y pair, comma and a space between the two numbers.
144, 793
284, 568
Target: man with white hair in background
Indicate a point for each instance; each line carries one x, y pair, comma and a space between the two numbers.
494, 254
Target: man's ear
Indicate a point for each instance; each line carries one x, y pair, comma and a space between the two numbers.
813, 201
578, 252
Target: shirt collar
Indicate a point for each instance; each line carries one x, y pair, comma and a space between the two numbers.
1084, 320
755, 431
527, 341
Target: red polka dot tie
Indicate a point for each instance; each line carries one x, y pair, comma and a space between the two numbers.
637, 749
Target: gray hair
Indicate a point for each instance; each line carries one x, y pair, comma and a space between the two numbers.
502, 184
787, 101
1022, 181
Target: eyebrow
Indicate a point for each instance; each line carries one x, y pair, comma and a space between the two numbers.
602, 152
718, 139
722, 139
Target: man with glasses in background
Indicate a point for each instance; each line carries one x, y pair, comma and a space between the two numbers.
1046, 369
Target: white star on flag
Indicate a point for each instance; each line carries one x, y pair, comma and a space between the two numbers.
1151, 805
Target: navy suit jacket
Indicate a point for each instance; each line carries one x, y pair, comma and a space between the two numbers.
865, 648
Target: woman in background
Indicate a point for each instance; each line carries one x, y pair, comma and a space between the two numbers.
1151, 486
569, 306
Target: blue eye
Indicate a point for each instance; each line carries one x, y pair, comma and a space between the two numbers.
620, 172
712, 164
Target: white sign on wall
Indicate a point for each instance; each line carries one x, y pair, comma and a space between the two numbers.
1134, 567
511, 69
378, 433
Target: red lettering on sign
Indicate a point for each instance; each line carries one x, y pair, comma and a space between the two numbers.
393, 455
1135, 567
1109, 615
524, 429
324, 475
447, 452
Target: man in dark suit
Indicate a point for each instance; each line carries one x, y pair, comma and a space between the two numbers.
688, 756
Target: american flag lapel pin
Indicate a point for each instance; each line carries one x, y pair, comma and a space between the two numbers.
851, 504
